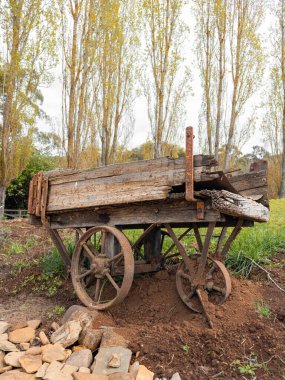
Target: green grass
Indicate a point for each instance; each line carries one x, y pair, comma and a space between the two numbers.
52, 263
263, 309
15, 247
259, 243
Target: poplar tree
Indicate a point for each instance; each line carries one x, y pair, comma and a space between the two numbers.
230, 58
166, 84
28, 30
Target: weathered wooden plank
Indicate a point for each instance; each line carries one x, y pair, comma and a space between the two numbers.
31, 196
160, 164
237, 205
249, 180
126, 188
39, 194
136, 214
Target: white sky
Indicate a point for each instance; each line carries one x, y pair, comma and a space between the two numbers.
52, 97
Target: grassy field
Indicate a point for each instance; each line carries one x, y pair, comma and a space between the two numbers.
259, 243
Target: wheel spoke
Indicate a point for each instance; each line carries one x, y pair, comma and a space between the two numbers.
220, 290
211, 271
84, 274
92, 248
118, 256
184, 275
97, 290
110, 278
88, 251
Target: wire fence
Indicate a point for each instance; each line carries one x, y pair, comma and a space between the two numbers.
13, 214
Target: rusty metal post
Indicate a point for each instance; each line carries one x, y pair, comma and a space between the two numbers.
189, 163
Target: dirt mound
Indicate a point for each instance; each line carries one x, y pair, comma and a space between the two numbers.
154, 300
169, 337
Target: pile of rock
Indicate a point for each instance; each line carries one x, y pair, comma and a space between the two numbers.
67, 354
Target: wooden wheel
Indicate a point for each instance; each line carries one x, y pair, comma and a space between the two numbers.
93, 263
215, 280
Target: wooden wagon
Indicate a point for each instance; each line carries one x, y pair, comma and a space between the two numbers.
177, 207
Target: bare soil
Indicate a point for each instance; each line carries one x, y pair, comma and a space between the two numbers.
164, 334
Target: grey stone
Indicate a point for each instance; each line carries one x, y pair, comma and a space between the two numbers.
90, 338
134, 368
4, 327
23, 335
4, 336
16, 375
2, 362
121, 376
100, 365
53, 371
34, 323
42, 370
111, 339
79, 313
80, 358
114, 361
144, 373
31, 363
84, 370
68, 369
13, 358
7, 346
176, 376
67, 334
52, 353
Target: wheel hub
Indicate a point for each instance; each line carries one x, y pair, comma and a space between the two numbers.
100, 265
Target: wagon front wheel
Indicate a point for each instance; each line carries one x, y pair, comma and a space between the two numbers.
98, 253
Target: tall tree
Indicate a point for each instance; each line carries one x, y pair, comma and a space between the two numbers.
165, 92
77, 39
211, 29
274, 119
28, 28
246, 61
114, 72
230, 61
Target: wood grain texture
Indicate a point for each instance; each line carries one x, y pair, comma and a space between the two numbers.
81, 190
145, 213
237, 205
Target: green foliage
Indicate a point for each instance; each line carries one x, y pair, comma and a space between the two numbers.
52, 263
17, 192
263, 310
258, 244
249, 366
16, 247
185, 348
20, 264
56, 311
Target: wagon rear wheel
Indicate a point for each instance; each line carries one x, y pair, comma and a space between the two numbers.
216, 282
96, 255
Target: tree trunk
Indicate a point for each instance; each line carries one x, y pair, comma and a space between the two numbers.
221, 64
72, 94
282, 187
2, 200
207, 82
